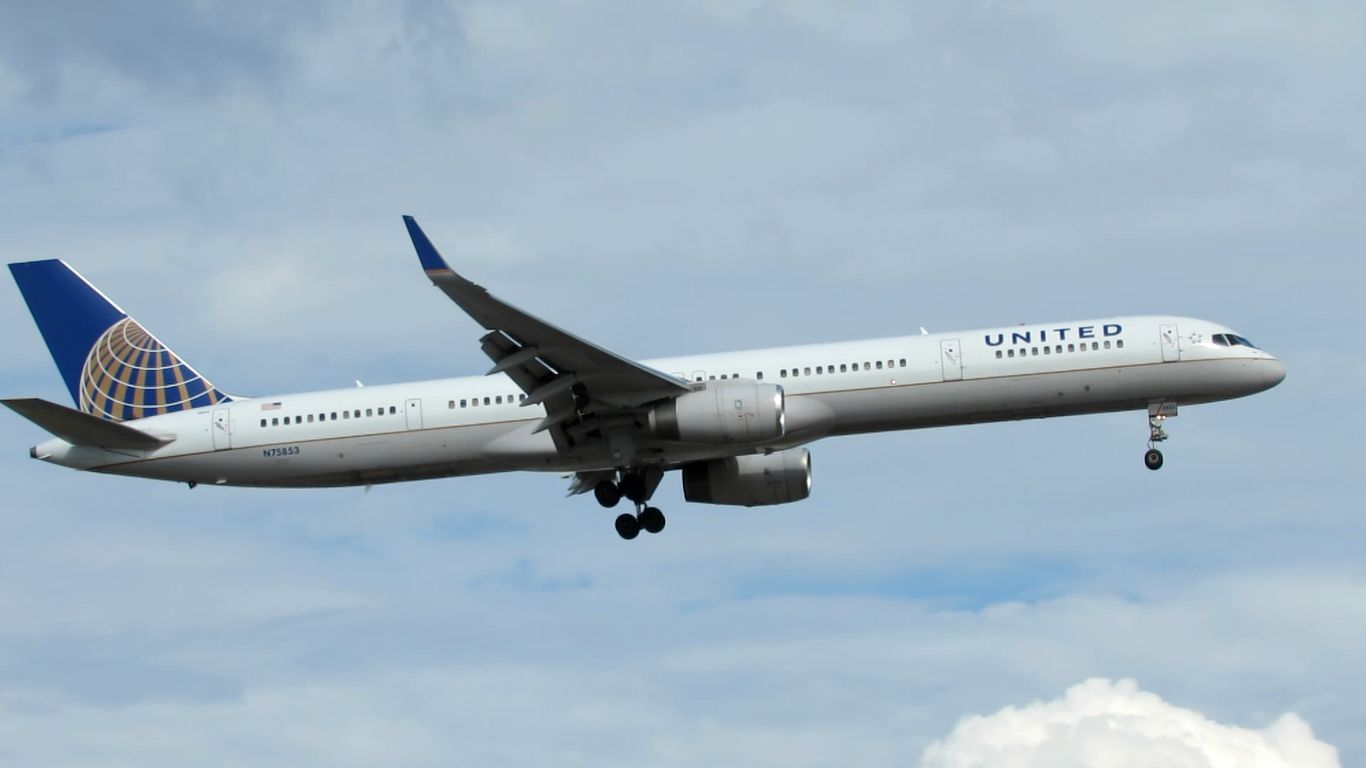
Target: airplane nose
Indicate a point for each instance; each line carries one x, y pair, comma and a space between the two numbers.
1273, 372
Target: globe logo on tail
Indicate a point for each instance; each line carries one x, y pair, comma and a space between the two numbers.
129, 374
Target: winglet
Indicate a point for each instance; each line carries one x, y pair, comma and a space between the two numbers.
426, 252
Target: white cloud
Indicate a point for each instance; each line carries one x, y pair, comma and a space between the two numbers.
1106, 724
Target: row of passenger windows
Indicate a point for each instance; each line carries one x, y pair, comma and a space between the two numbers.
473, 402
843, 368
818, 370
1057, 349
276, 421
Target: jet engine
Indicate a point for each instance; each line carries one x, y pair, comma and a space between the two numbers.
723, 413
774, 478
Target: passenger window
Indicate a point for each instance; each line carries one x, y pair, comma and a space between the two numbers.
723, 377
498, 400
806, 371
879, 365
521, 397
275, 422
699, 378
463, 403
903, 362
1010, 353
759, 376
1071, 347
1107, 344
369, 412
1034, 351
820, 370
782, 373
844, 367
356, 413
1047, 351
334, 416
867, 366
310, 418
999, 355
711, 378
1095, 345
263, 422
286, 421
486, 401
1119, 343
451, 404
1058, 349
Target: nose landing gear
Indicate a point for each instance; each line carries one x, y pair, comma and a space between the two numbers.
638, 486
1157, 413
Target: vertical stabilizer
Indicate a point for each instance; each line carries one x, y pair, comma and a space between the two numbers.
114, 368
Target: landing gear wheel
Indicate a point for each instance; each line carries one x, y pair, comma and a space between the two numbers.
628, 527
1152, 459
607, 493
652, 520
633, 487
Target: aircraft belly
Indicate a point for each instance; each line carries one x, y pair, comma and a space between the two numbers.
357, 460
1037, 395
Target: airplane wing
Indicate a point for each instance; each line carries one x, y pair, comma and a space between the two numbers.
571, 376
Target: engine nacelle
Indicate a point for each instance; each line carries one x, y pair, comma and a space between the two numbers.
723, 413
751, 481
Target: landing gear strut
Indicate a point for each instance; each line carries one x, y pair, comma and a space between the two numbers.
1157, 413
638, 486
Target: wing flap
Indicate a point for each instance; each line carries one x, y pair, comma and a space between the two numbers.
80, 428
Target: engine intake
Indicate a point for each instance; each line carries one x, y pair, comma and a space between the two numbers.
756, 480
723, 413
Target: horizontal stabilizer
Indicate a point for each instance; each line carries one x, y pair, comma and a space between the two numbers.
80, 428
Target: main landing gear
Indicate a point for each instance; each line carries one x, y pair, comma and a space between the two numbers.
638, 487
1157, 413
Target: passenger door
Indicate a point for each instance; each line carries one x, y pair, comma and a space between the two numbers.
1170, 341
412, 411
951, 359
222, 429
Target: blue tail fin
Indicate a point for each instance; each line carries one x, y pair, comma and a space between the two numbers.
113, 367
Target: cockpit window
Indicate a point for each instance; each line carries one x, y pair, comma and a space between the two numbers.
1231, 340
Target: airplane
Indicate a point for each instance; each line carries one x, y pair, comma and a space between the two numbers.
734, 424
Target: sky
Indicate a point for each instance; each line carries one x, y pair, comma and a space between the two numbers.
676, 178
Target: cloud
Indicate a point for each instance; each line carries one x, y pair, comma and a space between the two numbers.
1109, 724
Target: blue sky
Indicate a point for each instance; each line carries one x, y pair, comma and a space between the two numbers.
671, 179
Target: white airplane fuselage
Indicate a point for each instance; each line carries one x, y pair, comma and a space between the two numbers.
474, 425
